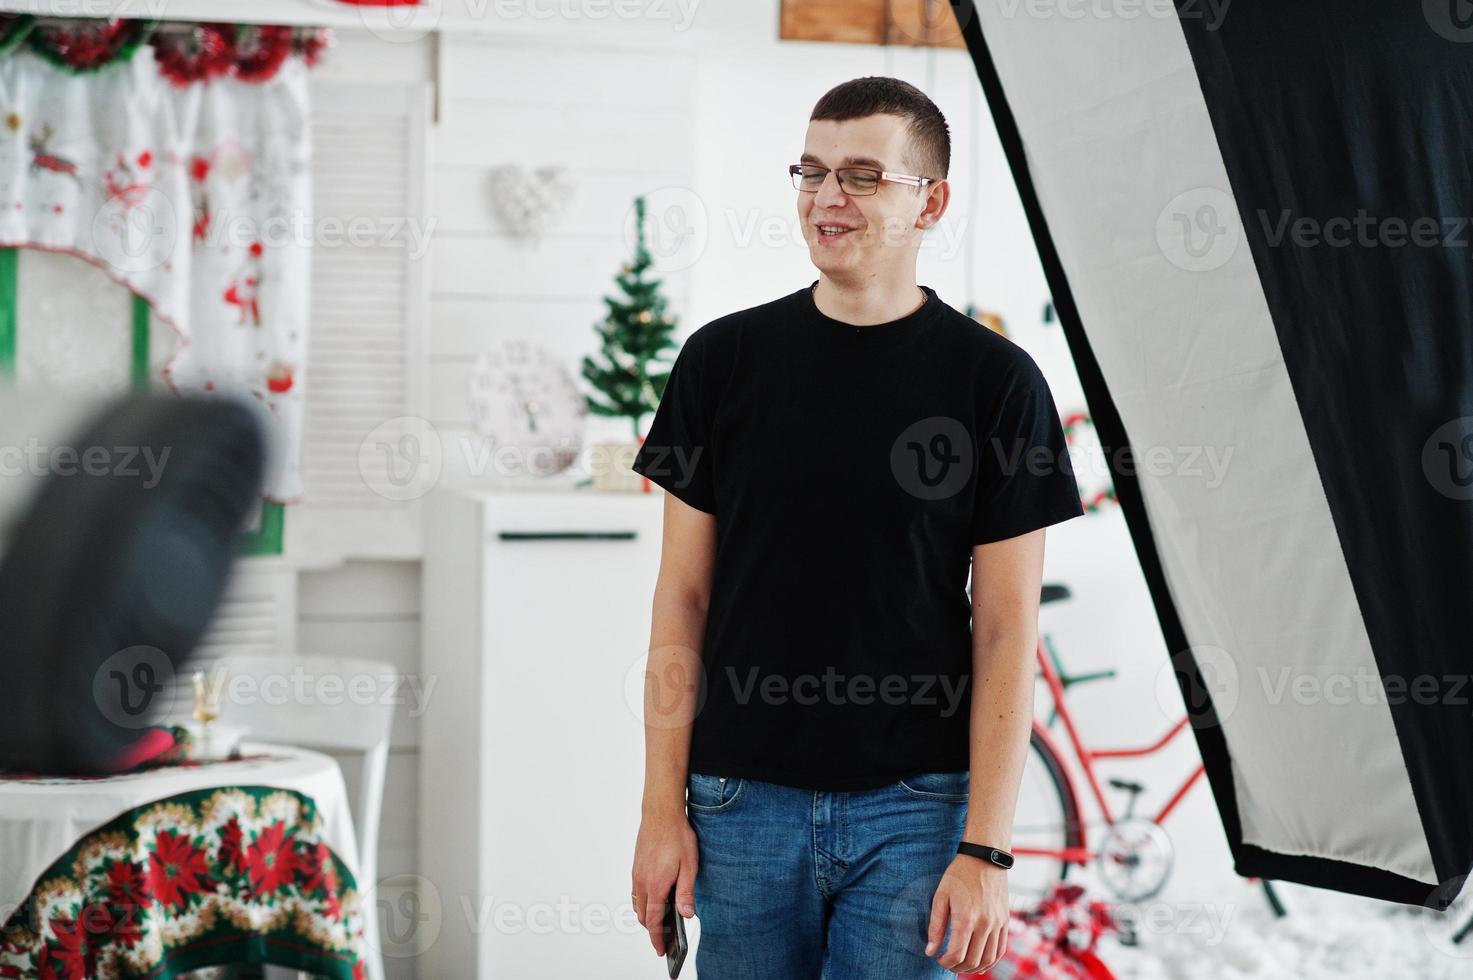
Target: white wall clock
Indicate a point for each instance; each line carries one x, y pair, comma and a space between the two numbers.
524, 399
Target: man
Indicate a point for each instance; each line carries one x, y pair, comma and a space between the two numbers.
827, 716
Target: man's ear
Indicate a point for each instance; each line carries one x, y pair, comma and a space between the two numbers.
938, 195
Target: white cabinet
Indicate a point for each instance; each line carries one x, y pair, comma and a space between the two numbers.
536, 611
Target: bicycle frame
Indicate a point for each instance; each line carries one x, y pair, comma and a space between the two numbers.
1087, 757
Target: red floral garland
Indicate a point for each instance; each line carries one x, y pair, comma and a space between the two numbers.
206, 52
260, 51
250, 52
310, 42
88, 44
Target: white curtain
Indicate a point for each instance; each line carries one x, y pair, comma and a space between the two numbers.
197, 199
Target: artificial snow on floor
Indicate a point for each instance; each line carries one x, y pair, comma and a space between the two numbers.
1326, 934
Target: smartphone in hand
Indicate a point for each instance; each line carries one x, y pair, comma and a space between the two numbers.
675, 943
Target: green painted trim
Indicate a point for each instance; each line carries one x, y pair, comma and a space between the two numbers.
9, 266
142, 322
266, 539
16, 33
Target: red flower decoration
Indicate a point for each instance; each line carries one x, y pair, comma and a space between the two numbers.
175, 868
319, 875
127, 924
126, 884
232, 851
310, 42
127, 897
88, 44
97, 921
260, 51
207, 51
318, 872
65, 959
273, 859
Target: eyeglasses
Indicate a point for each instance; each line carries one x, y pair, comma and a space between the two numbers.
856, 181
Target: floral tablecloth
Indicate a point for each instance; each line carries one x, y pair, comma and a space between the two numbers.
241, 861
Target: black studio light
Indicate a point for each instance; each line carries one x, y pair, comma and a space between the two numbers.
119, 522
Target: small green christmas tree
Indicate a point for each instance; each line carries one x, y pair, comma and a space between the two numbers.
633, 334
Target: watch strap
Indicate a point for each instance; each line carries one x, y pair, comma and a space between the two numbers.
993, 855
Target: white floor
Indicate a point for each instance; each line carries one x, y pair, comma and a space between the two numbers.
1325, 935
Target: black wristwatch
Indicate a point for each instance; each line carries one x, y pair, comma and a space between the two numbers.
995, 855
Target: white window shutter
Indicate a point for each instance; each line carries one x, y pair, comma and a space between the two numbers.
366, 346
257, 614
256, 617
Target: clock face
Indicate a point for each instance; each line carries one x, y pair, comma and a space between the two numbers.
524, 401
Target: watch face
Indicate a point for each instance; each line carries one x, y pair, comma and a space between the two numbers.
523, 398
999, 858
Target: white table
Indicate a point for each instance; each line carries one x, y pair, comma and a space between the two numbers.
40, 819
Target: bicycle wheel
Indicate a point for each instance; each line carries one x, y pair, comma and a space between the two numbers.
1047, 818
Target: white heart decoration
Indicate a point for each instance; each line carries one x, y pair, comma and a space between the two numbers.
530, 203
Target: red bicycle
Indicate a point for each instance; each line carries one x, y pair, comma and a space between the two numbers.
1134, 855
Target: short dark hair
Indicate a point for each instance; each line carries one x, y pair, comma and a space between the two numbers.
929, 152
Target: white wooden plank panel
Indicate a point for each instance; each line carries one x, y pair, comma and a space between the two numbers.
476, 132
563, 76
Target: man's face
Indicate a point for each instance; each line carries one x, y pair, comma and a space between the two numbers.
885, 229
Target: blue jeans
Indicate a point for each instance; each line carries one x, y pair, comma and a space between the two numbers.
797, 884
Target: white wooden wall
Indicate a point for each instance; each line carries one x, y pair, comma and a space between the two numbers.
620, 119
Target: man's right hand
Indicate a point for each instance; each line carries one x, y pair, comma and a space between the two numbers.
665, 854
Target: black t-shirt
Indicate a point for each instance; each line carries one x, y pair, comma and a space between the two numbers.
850, 470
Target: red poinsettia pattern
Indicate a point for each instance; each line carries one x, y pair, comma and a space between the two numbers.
126, 884
64, 956
232, 847
176, 868
182, 877
318, 876
273, 860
